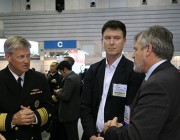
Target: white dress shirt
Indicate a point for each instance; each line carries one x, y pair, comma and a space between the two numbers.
109, 72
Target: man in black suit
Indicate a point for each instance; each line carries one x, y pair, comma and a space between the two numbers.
155, 112
25, 100
54, 130
54, 80
69, 102
109, 85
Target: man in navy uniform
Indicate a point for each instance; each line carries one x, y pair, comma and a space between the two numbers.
25, 100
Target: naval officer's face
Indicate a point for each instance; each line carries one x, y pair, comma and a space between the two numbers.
19, 60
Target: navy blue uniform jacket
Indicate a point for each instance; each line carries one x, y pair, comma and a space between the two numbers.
35, 93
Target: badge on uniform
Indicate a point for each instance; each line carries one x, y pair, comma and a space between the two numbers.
119, 90
36, 104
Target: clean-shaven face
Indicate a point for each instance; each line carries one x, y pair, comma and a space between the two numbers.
19, 60
113, 42
53, 67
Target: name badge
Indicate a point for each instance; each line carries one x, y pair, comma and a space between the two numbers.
127, 115
119, 90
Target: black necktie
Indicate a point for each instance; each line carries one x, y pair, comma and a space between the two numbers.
19, 82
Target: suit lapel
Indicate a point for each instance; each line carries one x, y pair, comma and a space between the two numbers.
28, 81
119, 75
11, 83
159, 68
100, 73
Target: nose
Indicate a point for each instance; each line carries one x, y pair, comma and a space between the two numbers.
26, 59
133, 56
112, 41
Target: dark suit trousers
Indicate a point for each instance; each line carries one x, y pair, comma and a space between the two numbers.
68, 130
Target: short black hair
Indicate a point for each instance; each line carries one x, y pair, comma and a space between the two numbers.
70, 59
114, 24
64, 64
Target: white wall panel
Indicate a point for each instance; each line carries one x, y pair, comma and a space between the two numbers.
83, 25
5, 6
118, 3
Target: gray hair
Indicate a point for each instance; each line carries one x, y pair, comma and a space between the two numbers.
14, 42
161, 40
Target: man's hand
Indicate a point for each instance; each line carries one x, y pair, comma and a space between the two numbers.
112, 123
2, 137
58, 91
24, 117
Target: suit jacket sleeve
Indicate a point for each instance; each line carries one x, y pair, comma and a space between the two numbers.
67, 92
147, 121
87, 117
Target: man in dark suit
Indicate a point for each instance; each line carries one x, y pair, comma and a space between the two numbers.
69, 102
54, 129
25, 100
109, 85
155, 112
54, 80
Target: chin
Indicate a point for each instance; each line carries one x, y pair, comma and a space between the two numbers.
136, 69
25, 70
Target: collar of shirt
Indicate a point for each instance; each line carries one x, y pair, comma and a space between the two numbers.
16, 76
52, 73
114, 65
152, 68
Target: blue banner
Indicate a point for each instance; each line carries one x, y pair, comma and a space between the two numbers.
57, 44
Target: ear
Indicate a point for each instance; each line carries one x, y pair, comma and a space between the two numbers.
65, 69
102, 40
125, 40
149, 50
8, 57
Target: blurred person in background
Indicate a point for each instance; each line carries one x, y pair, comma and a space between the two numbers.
54, 80
53, 77
58, 85
70, 59
69, 102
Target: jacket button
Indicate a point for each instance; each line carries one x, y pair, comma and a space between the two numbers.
16, 128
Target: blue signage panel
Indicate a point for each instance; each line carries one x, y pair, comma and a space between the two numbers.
56, 44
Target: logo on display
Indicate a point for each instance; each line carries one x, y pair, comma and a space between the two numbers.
60, 44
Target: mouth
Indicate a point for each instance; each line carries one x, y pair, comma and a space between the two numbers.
25, 66
111, 49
